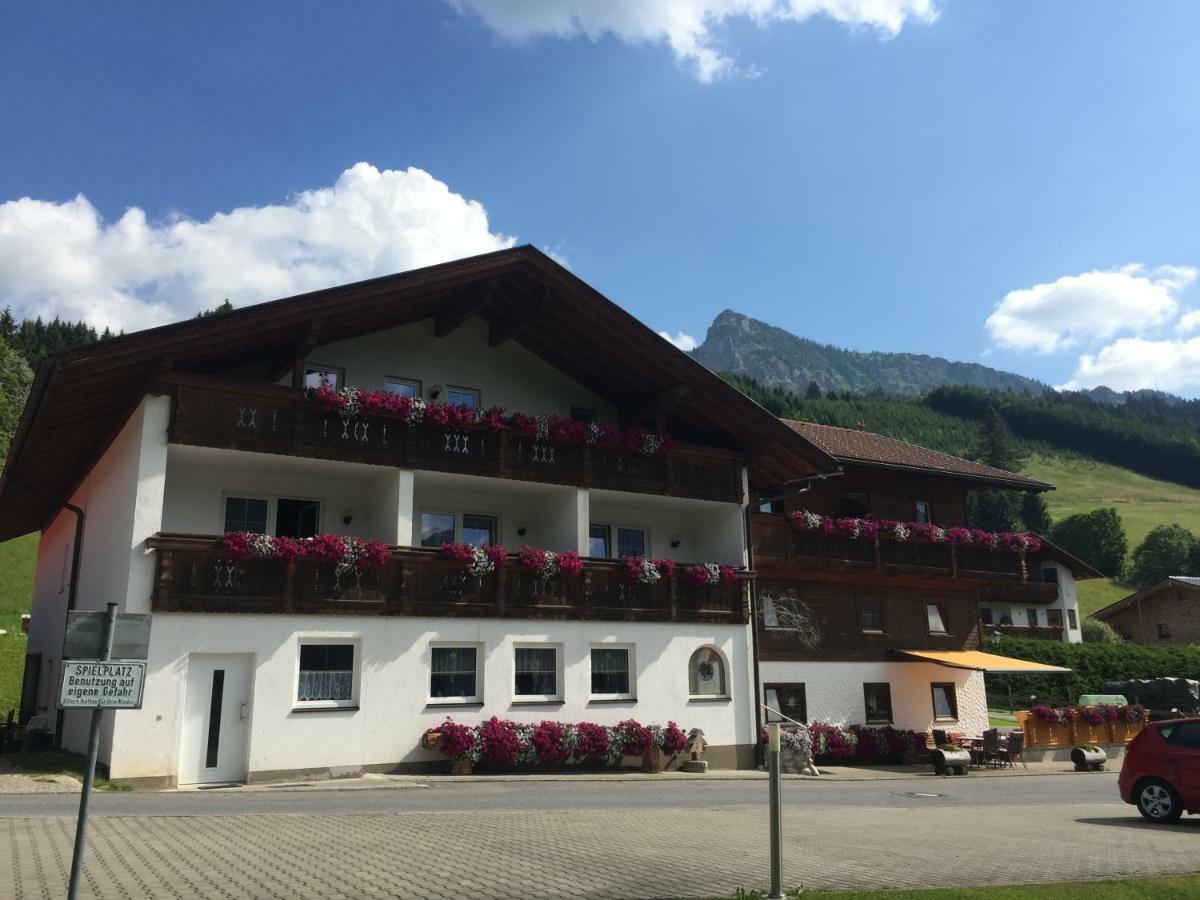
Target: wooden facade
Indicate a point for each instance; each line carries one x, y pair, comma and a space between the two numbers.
1165, 614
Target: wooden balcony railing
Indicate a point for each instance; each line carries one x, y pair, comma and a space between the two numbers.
778, 545
1041, 632
212, 412
195, 575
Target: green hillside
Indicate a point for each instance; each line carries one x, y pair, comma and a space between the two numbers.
16, 587
1141, 502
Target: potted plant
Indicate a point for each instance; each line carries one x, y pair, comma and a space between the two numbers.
950, 760
1088, 757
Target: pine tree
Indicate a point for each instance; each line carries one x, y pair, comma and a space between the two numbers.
1035, 515
224, 307
996, 446
813, 392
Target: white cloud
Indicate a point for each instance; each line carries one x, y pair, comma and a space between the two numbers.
682, 340
1188, 322
686, 26
63, 259
1095, 305
1132, 363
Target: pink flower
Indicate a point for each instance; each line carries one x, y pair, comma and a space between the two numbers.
570, 564
500, 742
634, 737
673, 740
592, 742
548, 741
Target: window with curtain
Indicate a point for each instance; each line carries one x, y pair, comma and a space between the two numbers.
789, 699
870, 613
460, 396
315, 376
452, 673
706, 674
945, 701
610, 672
536, 672
326, 674
599, 541
479, 530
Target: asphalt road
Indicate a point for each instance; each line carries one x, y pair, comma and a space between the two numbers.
445, 795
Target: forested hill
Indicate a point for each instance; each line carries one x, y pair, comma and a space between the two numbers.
1146, 434
777, 358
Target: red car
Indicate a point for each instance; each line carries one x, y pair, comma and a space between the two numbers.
1161, 771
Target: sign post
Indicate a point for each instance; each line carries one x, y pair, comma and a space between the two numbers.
776, 782
99, 684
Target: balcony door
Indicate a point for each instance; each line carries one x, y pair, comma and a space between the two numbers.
215, 719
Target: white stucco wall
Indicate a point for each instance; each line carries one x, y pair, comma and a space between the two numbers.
508, 375
394, 684
122, 498
834, 692
1068, 599
707, 531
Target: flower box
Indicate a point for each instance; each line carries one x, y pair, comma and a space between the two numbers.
1091, 733
461, 767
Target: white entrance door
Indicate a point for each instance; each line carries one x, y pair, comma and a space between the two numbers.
216, 719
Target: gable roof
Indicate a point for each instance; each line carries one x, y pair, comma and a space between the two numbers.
850, 445
80, 399
1125, 602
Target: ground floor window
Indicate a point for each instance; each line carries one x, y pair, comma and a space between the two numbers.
536, 673
985, 615
611, 675
453, 674
326, 674
878, 700
945, 701
786, 698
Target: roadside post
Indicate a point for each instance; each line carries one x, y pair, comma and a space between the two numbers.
99, 682
775, 784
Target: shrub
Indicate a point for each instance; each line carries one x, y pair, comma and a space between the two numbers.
1097, 632
1091, 665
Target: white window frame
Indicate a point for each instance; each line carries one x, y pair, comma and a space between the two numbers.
389, 380
557, 696
943, 610
461, 389
613, 539
725, 670
458, 521
456, 701
631, 670
272, 507
338, 371
354, 641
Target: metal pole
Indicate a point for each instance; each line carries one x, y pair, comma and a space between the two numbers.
89, 769
776, 781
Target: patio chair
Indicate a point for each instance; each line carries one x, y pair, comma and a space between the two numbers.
939, 737
1010, 755
989, 754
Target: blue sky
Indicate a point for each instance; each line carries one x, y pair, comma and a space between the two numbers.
872, 185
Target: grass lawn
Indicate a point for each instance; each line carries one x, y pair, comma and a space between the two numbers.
16, 589
1175, 888
1000, 718
1141, 502
58, 762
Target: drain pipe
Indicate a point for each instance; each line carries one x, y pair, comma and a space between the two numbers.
785, 492
73, 588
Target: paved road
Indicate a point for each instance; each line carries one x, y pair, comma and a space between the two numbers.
586, 839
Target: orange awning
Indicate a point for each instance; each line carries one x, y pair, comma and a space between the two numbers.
984, 662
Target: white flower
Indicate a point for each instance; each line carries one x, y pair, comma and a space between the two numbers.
649, 573
480, 563
937, 534
901, 532
262, 545
416, 413
812, 520
713, 573
650, 444
593, 432
351, 404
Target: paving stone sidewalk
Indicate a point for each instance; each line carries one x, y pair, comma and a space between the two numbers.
600, 854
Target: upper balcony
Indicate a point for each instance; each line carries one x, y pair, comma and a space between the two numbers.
222, 413
194, 574
779, 547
